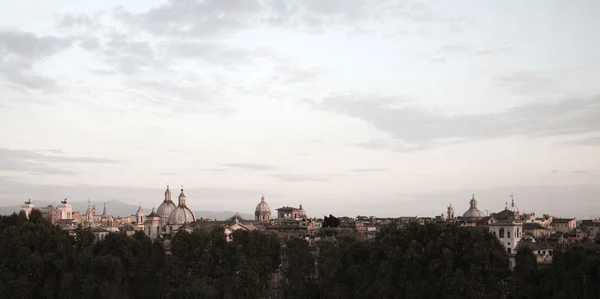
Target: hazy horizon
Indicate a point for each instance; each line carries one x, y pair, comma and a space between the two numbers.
386, 108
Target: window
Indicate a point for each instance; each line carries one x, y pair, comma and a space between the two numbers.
501, 233
509, 250
518, 232
508, 234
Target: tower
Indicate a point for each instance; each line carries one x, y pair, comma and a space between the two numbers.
140, 217
450, 212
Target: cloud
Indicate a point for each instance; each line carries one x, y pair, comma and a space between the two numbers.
69, 20
461, 48
293, 75
41, 163
295, 178
212, 18
216, 169
210, 51
249, 166
368, 169
591, 141
179, 151
579, 171
420, 128
528, 81
19, 51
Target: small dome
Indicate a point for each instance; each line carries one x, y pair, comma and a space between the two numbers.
473, 213
301, 212
165, 209
152, 214
167, 206
263, 211
181, 215
262, 206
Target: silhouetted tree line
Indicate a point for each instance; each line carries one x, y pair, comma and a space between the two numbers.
330, 221
39, 260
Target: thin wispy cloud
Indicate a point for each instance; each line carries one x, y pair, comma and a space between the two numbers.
38, 162
249, 166
419, 126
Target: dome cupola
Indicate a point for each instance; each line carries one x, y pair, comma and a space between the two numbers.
263, 211
182, 214
473, 213
166, 207
301, 212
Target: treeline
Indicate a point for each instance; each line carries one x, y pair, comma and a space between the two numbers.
38, 260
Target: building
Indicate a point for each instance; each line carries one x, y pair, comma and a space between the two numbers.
66, 210
152, 225
166, 208
167, 219
508, 228
27, 207
473, 214
564, 225
235, 225
262, 212
509, 234
294, 223
536, 230
100, 233
140, 218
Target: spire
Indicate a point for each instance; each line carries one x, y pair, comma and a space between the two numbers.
473, 202
182, 198
167, 194
262, 199
104, 211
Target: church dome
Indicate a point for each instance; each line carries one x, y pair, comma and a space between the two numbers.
301, 212
263, 211
262, 206
167, 206
473, 213
182, 214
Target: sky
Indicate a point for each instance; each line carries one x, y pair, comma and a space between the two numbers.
355, 107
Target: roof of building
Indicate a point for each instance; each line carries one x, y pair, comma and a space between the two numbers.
153, 214
486, 220
505, 214
590, 222
532, 225
286, 208
562, 220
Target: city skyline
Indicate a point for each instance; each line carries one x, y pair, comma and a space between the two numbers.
393, 108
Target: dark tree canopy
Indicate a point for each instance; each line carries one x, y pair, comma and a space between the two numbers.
38, 260
331, 221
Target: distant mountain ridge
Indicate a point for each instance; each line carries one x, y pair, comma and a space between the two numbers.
117, 208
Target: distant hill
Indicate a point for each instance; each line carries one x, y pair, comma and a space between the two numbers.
118, 208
